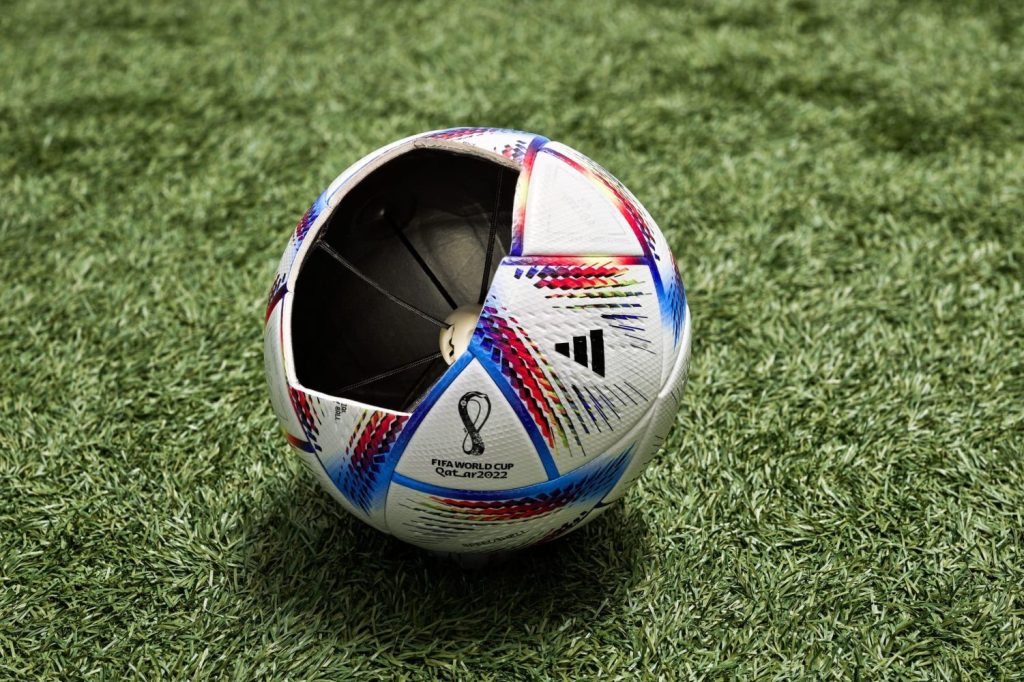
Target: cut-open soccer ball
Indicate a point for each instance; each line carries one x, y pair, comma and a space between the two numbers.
477, 339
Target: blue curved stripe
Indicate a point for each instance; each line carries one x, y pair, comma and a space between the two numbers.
614, 466
383, 483
517, 405
679, 317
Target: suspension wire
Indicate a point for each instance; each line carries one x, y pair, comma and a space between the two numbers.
329, 250
491, 236
412, 389
391, 372
419, 261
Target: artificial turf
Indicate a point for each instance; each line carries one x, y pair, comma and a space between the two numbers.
843, 185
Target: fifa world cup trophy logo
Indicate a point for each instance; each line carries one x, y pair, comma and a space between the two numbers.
474, 409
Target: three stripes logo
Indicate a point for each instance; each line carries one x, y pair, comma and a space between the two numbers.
594, 359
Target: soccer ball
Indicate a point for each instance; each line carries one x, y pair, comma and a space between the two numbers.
477, 339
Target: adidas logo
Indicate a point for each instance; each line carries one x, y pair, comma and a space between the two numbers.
579, 350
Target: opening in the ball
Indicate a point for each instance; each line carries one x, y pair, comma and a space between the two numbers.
415, 240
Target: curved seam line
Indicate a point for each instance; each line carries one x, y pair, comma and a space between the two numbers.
513, 400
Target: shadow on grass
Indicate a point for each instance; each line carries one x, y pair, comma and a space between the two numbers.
307, 557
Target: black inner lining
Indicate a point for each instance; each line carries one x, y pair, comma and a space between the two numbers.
418, 228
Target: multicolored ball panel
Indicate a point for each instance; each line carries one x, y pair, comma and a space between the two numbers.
471, 437
284, 269
510, 144
351, 445
650, 238
662, 418
577, 342
486, 521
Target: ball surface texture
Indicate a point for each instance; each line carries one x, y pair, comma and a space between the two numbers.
477, 339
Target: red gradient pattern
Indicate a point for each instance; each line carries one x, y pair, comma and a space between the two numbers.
522, 369
377, 435
277, 292
506, 510
516, 151
306, 221
372, 438
457, 133
573, 277
298, 443
306, 416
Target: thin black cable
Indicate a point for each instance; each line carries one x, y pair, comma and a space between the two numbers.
485, 280
390, 372
329, 250
419, 261
412, 389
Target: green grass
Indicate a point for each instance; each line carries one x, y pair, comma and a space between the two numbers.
843, 184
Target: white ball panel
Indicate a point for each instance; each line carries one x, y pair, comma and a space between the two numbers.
663, 417
440, 451
568, 214
463, 521
545, 322
648, 236
273, 365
